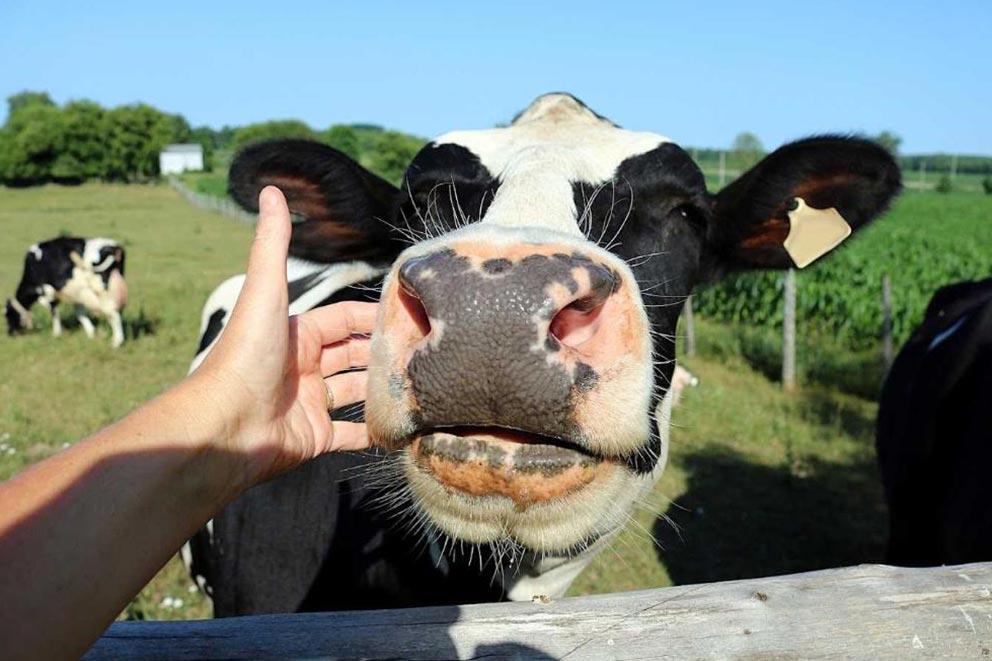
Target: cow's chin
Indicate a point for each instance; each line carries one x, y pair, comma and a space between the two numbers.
484, 485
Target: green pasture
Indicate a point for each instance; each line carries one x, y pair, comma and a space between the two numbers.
56, 391
759, 482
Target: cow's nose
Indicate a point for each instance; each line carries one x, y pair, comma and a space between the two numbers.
556, 299
504, 340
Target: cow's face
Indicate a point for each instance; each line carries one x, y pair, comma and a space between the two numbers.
534, 277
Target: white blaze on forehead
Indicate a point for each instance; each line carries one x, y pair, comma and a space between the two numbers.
555, 142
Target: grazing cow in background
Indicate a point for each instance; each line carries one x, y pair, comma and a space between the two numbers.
530, 279
86, 273
934, 433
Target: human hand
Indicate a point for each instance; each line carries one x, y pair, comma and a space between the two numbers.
267, 385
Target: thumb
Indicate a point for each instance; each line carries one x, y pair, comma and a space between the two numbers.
265, 290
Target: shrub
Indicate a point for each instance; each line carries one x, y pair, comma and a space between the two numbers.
944, 185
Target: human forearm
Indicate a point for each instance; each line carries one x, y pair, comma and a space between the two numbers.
141, 486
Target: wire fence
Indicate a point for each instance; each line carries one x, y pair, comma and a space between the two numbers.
222, 205
789, 333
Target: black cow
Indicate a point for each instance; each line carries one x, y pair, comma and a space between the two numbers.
519, 383
86, 273
934, 433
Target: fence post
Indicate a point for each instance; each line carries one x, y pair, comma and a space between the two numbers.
887, 348
690, 328
789, 332
723, 167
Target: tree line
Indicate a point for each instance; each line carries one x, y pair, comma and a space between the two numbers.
385, 152
79, 141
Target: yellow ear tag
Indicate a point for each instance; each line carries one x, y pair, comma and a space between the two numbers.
813, 233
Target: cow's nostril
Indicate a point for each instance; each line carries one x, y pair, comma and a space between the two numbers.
415, 308
577, 323
411, 272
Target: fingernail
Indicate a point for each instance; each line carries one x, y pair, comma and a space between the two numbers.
267, 199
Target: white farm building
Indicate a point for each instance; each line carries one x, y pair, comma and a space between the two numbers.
175, 159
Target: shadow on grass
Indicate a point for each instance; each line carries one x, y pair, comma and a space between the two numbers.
140, 325
136, 326
742, 520
824, 409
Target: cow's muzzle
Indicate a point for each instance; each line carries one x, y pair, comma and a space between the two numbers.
510, 371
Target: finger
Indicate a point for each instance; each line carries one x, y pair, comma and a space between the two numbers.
348, 436
346, 354
347, 388
265, 288
337, 321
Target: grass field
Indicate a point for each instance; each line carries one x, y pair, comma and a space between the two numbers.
56, 391
772, 484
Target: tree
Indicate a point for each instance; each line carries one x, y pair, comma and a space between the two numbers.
5, 147
344, 139
84, 148
987, 185
278, 128
747, 149
944, 184
391, 154
26, 99
136, 134
206, 137
224, 137
35, 139
42, 142
889, 141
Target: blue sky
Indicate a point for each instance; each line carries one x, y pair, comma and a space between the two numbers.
699, 72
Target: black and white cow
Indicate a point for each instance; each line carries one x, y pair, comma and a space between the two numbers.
530, 280
934, 433
85, 273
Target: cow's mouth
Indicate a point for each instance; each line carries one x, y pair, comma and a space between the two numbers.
491, 461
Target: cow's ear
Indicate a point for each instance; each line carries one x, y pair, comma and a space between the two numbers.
751, 220
343, 210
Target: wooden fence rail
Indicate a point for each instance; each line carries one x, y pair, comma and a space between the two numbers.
870, 611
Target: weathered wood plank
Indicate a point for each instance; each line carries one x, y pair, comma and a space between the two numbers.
871, 611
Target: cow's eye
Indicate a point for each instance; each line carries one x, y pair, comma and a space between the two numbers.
689, 214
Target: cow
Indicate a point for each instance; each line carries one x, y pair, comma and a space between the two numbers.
85, 273
529, 280
934, 433
681, 379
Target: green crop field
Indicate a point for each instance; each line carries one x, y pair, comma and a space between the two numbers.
774, 483
925, 241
